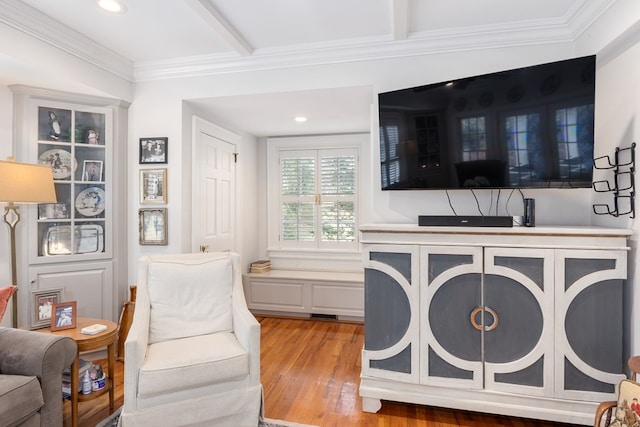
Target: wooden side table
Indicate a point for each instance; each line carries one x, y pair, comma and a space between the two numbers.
107, 339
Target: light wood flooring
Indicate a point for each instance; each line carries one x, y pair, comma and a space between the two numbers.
310, 372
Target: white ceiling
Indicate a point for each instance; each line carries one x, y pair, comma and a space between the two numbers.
163, 38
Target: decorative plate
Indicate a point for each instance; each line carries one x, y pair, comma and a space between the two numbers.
90, 201
60, 162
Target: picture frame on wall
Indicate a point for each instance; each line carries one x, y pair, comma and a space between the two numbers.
153, 150
42, 302
152, 226
63, 316
153, 186
92, 170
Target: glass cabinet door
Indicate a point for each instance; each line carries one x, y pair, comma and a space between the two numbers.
73, 142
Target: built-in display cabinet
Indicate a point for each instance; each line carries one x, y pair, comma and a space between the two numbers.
518, 321
76, 244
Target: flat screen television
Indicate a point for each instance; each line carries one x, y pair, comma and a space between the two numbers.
529, 127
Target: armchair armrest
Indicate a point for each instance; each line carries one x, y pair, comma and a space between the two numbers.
604, 408
245, 326
42, 355
135, 347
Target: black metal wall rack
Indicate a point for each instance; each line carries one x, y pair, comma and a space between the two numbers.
622, 185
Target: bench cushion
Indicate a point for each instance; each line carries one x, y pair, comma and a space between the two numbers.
20, 398
192, 362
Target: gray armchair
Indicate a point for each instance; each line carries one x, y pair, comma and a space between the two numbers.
31, 365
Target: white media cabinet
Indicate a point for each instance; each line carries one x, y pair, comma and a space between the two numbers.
519, 321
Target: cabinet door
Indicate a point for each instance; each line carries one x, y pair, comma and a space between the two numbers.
75, 141
517, 320
450, 290
90, 284
589, 323
391, 312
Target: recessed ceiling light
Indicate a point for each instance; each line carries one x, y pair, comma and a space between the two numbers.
113, 6
449, 84
300, 119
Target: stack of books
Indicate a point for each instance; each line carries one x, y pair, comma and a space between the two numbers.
261, 266
84, 365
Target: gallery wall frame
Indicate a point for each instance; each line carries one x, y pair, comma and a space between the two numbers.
152, 224
153, 186
153, 150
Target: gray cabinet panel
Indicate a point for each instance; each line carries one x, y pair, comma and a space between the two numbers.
449, 316
386, 310
519, 317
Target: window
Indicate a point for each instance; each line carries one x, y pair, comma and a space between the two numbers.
474, 138
318, 198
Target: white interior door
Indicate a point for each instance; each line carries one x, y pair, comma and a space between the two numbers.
214, 187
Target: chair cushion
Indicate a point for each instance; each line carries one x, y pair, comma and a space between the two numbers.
192, 362
627, 413
20, 397
190, 295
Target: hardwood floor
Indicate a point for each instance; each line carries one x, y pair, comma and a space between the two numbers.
310, 372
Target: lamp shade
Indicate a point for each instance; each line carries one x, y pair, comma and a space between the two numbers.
26, 183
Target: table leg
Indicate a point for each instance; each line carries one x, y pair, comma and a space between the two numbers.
111, 361
75, 365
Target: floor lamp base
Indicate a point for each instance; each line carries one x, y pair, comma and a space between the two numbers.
12, 218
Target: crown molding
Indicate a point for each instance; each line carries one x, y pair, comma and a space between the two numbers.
424, 43
582, 14
34, 23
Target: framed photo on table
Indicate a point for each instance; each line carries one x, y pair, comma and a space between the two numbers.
153, 150
63, 316
152, 226
42, 302
153, 186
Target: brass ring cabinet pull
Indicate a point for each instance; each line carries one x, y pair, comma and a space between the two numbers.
475, 324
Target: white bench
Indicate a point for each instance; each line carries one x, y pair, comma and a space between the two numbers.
306, 293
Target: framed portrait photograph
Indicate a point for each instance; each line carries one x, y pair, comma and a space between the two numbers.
42, 302
153, 226
153, 186
153, 150
92, 170
63, 316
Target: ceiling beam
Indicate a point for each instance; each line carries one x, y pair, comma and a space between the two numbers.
220, 25
400, 19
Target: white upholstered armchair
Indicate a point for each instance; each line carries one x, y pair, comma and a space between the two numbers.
192, 356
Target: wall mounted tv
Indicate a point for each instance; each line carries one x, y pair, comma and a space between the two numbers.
524, 128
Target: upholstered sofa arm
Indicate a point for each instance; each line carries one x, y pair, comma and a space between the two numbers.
42, 355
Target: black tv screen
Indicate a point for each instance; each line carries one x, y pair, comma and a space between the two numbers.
524, 128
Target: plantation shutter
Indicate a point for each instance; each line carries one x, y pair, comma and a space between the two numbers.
318, 198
